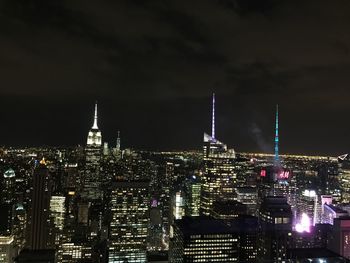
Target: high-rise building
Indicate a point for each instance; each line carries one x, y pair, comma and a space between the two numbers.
20, 226
275, 217
155, 233
94, 137
344, 162
178, 205
192, 191
129, 206
105, 149
37, 256
275, 180
6, 214
9, 182
228, 209
204, 239
117, 150
308, 204
165, 199
311, 236
339, 239
330, 212
57, 216
218, 178
7, 249
57, 210
93, 151
249, 197
74, 252
39, 209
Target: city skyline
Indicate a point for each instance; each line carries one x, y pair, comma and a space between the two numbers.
153, 66
262, 140
178, 131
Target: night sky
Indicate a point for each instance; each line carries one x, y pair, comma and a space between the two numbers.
153, 64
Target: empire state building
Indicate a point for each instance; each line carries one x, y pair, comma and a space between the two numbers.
93, 150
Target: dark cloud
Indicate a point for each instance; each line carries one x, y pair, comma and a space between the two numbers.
155, 63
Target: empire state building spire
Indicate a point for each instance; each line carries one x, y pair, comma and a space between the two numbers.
94, 136
95, 127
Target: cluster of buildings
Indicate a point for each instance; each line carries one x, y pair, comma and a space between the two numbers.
101, 204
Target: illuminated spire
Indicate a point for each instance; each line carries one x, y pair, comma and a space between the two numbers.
95, 118
43, 161
277, 158
213, 119
118, 142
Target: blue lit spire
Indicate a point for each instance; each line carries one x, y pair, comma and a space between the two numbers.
213, 119
277, 158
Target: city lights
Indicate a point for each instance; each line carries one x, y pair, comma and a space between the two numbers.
304, 224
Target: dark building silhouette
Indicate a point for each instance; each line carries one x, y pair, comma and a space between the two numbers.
36, 256
314, 255
275, 217
39, 211
228, 209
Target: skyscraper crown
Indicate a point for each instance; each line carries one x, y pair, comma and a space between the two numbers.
94, 126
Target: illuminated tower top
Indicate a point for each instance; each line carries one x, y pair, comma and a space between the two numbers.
94, 126
118, 142
212, 146
277, 158
213, 119
94, 136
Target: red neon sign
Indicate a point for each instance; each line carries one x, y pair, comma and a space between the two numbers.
283, 175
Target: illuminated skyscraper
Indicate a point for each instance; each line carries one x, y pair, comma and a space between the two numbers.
57, 210
308, 204
57, 215
130, 219
344, 162
204, 239
192, 196
7, 249
8, 192
178, 205
94, 137
117, 150
19, 226
276, 179
248, 196
218, 177
93, 153
165, 199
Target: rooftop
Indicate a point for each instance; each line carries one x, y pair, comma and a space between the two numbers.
315, 255
208, 225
